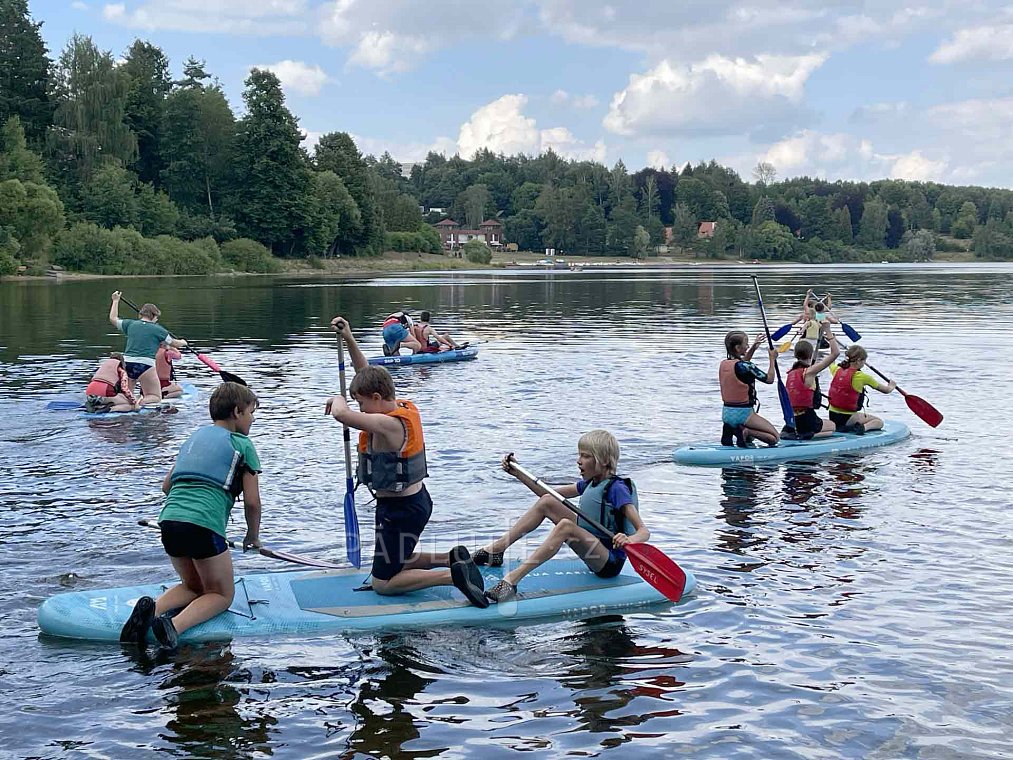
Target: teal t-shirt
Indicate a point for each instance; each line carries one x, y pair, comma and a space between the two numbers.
143, 338
204, 504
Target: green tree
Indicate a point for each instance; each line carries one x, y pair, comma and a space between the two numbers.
32, 213
24, 71
703, 202
274, 206
338, 221
896, 225
993, 240
147, 71
336, 152
110, 197
16, 160
477, 252
817, 220
763, 211
872, 228
156, 213
919, 245
525, 229
967, 219
772, 241
622, 226
641, 242
684, 228
472, 205
841, 228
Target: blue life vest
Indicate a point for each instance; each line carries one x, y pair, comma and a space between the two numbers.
208, 456
594, 503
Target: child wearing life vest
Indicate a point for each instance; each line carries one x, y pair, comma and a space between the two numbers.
847, 393
812, 331
737, 376
392, 463
214, 466
803, 385
431, 340
107, 391
397, 330
166, 374
604, 497
144, 336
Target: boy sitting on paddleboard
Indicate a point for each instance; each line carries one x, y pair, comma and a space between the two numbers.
216, 464
604, 497
392, 463
431, 340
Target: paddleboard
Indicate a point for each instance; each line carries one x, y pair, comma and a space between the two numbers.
715, 455
190, 392
328, 601
457, 355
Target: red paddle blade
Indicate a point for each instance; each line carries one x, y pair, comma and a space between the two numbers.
657, 569
924, 409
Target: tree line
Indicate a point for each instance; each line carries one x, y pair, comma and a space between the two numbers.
113, 166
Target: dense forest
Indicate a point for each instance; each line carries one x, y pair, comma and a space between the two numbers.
112, 166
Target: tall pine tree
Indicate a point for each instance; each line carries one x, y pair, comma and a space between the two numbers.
336, 152
147, 68
24, 71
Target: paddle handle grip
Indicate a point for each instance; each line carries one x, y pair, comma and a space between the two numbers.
557, 495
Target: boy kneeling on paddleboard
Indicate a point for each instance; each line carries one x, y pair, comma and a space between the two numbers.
392, 463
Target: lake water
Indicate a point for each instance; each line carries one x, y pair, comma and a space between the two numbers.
858, 607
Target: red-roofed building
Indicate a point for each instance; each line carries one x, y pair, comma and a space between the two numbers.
706, 229
453, 237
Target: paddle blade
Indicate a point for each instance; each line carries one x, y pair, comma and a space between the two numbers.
924, 409
851, 332
228, 377
786, 410
352, 547
780, 332
784, 347
657, 569
64, 405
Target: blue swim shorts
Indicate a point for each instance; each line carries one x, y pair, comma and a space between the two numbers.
736, 415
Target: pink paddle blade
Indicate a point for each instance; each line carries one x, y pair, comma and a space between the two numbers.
209, 362
657, 569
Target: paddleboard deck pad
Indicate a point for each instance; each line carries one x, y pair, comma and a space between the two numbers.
457, 355
190, 392
320, 602
715, 455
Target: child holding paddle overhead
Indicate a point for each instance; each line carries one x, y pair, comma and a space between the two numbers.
144, 336
737, 376
604, 497
847, 393
803, 384
214, 466
392, 463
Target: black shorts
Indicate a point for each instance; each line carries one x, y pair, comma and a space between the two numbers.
807, 424
614, 565
399, 523
840, 419
183, 539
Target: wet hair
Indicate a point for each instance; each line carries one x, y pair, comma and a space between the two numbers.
370, 380
227, 397
425, 316
854, 353
820, 306
803, 354
603, 446
733, 339
150, 311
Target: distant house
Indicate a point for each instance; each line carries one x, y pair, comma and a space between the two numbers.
453, 236
706, 229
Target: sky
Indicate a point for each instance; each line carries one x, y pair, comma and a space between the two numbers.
838, 89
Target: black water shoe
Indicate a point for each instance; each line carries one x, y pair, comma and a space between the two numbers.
135, 630
503, 591
165, 631
482, 557
467, 577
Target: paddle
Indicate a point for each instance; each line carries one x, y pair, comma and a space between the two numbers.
227, 377
782, 392
271, 553
928, 413
780, 332
352, 546
650, 562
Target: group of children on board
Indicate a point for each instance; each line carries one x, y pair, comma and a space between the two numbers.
218, 463
737, 376
401, 331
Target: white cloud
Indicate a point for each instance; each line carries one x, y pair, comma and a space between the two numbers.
298, 76
502, 127
989, 43
716, 96
77, 5
239, 17
658, 159
914, 166
987, 123
582, 102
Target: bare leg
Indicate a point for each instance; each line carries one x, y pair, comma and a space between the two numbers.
546, 507
866, 420
172, 391
210, 585
758, 427
412, 580
150, 387
411, 343
584, 544
828, 430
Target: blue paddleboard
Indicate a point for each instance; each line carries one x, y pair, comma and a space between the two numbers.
457, 355
716, 455
190, 392
327, 601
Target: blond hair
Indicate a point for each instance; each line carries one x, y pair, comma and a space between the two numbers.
603, 446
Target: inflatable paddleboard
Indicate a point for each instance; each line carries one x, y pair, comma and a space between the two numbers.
190, 393
328, 601
457, 355
716, 455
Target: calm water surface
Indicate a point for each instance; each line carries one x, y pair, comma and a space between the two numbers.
855, 608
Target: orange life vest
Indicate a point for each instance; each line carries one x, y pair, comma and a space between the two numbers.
843, 394
108, 372
734, 392
163, 363
395, 470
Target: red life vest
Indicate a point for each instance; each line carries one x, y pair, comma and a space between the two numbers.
842, 393
802, 397
734, 392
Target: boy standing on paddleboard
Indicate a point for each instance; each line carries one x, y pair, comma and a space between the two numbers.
392, 463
